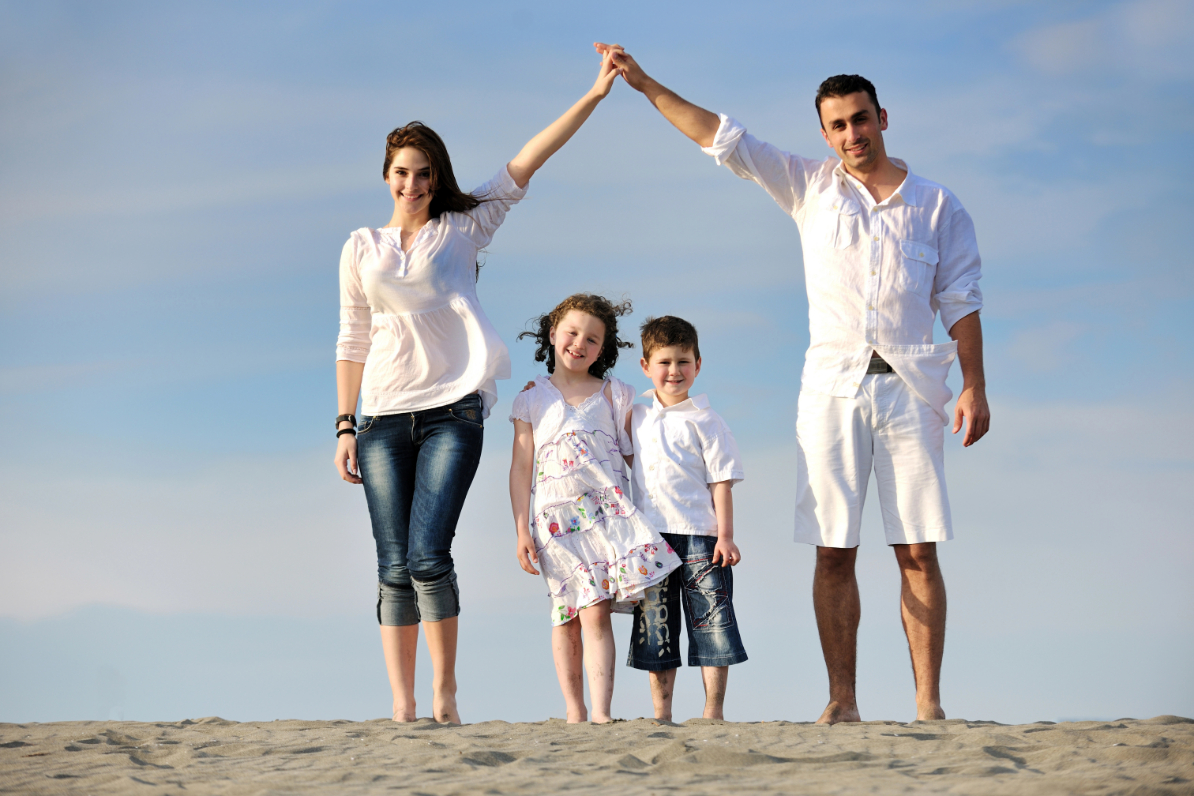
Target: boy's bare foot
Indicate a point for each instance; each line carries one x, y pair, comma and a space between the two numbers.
837, 713
404, 711
443, 708
713, 712
929, 712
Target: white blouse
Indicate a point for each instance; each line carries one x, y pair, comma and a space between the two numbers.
413, 317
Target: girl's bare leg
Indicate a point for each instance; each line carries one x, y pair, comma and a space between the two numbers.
599, 658
566, 649
441, 644
398, 644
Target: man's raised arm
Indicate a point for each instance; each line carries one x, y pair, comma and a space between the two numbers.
694, 121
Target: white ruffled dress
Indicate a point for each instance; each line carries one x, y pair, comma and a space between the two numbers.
592, 543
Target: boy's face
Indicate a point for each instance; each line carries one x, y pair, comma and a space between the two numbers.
672, 370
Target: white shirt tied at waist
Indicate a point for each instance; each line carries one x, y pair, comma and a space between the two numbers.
876, 273
413, 317
678, 452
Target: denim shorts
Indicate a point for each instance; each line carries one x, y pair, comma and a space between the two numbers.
417, 468
707, 592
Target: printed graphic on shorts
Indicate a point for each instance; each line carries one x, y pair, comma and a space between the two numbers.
653, 628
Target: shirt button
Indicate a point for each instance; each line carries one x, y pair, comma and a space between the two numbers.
876, 237
872, 273
870, 306
874, 209
652, 467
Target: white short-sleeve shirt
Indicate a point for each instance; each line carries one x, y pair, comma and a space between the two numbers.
678, 452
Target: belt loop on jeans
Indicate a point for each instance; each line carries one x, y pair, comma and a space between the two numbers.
879, 365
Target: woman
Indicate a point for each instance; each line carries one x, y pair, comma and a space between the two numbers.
417, 348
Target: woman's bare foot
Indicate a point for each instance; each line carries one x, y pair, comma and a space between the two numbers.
404, 711
837, 712
602, 719
578, 716
443, 706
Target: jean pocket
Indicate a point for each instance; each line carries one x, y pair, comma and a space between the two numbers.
469, 415
708, 596
366, 424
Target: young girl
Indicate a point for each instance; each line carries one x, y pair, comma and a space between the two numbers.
568, 490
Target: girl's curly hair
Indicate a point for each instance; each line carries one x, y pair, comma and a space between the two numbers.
600, 308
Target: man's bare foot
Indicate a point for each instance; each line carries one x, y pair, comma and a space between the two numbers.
838, 712
930, 712
443, 707
404, 711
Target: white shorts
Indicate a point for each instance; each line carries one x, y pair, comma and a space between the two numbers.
838, 440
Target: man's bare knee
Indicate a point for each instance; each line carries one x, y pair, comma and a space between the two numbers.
836, 561
917, 557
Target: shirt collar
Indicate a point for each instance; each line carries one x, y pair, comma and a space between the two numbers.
693, 402
907, 190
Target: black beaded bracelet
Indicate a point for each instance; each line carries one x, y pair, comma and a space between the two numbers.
352, 431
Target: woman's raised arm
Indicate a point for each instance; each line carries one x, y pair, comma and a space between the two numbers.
541, 147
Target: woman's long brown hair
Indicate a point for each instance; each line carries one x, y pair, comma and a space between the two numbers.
446, 196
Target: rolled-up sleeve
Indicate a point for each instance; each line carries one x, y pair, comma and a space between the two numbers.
355, 317
783, 175
498, 195
956, 293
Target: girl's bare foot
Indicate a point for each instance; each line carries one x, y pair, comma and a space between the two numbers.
404, 711
602, 719
578, 716
443, 706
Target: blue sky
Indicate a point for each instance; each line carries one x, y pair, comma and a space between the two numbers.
175, 186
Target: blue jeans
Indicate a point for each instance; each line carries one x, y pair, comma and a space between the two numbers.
707, 593
417, 468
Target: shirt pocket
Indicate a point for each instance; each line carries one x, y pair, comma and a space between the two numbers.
916, 267
838, 225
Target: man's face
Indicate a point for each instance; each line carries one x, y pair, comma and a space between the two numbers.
854, 128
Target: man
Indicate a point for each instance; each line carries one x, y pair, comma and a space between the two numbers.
884, 252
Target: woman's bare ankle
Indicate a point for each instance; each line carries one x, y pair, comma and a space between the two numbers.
443, 706
404, 711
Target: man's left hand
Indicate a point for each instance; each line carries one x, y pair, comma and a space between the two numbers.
972, 407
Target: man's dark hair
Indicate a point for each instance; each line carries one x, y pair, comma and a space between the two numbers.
669, 330
841, 85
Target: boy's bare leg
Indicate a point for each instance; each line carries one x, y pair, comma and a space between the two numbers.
715, 678
441, 644
398, 644
835, 600
599, 655
566, 649
922, 607
663, 687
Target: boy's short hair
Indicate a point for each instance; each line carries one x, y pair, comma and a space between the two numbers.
666, 331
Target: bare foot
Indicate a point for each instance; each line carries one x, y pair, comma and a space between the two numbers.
661, 715
443, 707
713, 713
602, 719
578, 717
930, 712
837, 712
404, 711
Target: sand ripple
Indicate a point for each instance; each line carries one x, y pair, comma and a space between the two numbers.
1129, 756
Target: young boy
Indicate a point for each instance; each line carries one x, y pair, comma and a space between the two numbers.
685, 461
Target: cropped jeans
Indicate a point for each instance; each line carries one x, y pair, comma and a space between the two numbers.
417, 468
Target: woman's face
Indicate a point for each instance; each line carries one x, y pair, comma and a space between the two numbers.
409, 179
577, 339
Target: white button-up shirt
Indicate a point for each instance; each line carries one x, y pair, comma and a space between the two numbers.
876, 273
413, 317
678, 452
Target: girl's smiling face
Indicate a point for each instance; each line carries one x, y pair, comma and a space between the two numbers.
578, 339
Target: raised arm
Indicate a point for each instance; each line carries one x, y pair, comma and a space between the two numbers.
694, 121
547, 143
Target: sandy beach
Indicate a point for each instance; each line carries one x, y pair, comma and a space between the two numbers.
212, 755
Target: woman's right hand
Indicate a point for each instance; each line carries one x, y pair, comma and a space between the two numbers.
346, 458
